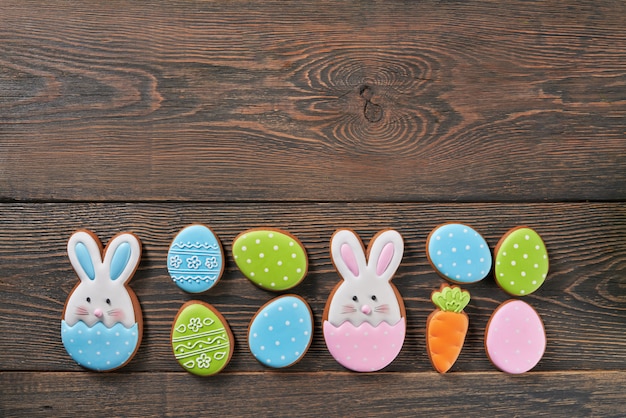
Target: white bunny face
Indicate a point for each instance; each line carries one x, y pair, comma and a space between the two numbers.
102, 295
366, 294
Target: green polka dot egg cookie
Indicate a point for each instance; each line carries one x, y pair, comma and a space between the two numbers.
521, 261
272, 259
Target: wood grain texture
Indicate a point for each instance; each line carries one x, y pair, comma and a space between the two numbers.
582, 303
313, 101
383, 394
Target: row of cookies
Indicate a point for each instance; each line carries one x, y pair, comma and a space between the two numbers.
364, 320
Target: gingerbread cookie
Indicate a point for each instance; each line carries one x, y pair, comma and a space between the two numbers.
521, 261
101, 327
201, 339
447, 326
195, 259
272, 259
364, 319
281, 331
515, 338
458, 253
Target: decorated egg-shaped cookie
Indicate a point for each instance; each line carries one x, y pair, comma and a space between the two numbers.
281, 331
521, 261
515, 338
101, 328
364, 320
458, 253
201, 339
270, 258
195, 259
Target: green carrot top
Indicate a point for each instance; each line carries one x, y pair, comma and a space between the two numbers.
451, 299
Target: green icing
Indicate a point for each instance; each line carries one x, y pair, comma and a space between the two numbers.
200, 340
521, 262
451, 299
271, 259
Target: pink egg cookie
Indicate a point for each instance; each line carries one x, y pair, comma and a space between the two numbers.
364, 319
515, 338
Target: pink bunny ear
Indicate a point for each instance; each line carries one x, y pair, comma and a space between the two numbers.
385, 253
348, 254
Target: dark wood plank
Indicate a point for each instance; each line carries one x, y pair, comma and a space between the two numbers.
308, 394
322, 101
582, 303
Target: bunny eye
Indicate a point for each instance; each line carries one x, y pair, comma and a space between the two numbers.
374, 298
108, 301
88, 299
354, 298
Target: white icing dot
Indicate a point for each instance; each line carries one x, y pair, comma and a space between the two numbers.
469, 274
268, 360
458, 276
482, 245
347, 334
298, 270
126, 342
450, 235
98, 332
280, 308
543, 275
271, 235
525, 255
297, 353
438, 238
438, 252
258, 241
291, 243
536, 266
293, 339
287, 323
261, 255
507, 319
294, 255
530, 342
270, 328
501, 274
454, 264
306, 332
295, 305
517, 331
97, 353
80, 351
440, 265
356, 346
453, 249
71, 339
504, 253
465, 230
481, 259
275, 247
108, 343
522, 292
537, 247
266, 270
482, 272
534, 281
285, 278
513, 263
523, 274
282, 357
265, 314
89, 342
516, 246
248, 261
252, 274
255, 335
273, 284
512, 283
467, 247
117, 353
526, 237
469, 261
545, 256
277, 343
244, 248
262, 348
280, 263
80, 331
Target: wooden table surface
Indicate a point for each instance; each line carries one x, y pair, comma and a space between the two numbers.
312, 116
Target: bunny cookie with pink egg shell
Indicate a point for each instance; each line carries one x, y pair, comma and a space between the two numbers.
364, 319
101, 327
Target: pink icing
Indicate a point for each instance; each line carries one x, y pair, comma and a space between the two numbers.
365, 348
515, 338
385, 258
349, 258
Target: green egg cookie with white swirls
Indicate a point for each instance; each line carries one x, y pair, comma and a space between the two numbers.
201, 339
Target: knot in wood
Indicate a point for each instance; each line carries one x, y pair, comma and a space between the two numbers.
373, 112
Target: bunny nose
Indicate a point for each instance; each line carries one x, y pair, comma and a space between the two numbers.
98, 313
366, 309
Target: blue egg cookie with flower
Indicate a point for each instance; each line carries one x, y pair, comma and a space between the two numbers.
195, 259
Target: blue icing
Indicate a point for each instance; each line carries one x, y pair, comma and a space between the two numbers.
120, 260
281, 332
195, 259
459, 253
84, 259
98, 347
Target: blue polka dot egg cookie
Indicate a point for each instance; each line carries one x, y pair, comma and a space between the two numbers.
458, 253
195, 259
281, 331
